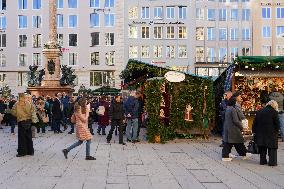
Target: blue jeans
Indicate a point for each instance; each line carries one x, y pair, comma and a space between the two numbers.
281, 119
132, 125
103, 128
78, 143
56, 125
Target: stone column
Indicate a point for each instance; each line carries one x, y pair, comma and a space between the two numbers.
51, 50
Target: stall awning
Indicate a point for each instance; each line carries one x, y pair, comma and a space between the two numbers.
260, 62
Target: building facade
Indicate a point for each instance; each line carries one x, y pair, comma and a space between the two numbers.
98, 37
268, 28
89, 32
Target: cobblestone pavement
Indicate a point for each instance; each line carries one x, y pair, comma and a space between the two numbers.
178, 164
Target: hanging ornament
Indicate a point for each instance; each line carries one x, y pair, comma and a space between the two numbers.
188, 113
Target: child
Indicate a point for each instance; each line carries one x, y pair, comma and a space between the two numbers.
80, 118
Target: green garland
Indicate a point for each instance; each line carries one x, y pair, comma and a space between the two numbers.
260, 62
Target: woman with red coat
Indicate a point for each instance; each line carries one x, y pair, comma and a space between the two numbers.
80, 117
103, 117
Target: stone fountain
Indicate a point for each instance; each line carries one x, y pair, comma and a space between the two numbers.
51, 81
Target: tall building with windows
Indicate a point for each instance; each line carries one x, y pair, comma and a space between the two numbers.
159, 32
223, 31
90, 33
268, 28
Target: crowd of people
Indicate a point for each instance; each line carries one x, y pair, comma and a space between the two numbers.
36, 114
265, 128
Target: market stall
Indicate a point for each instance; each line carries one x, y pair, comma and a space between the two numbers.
172, 107
256, 77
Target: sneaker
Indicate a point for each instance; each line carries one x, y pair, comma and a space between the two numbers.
248, 155
221, 145
123, 143
70, 132
227, 159
90, 158
232, 155
65, 152
129, 140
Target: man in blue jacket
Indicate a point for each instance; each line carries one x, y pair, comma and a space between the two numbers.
131, 112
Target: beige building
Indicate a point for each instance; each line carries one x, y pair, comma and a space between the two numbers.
268, 27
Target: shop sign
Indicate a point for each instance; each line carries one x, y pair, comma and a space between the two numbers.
101, 10
157, 62
272, 4
173, 76
156, 23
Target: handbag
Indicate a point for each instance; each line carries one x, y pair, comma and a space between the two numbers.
45, 118
253, 148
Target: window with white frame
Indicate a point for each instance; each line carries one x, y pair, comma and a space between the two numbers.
23, 40
211, 14
145, 13
133, 32
145, 51
36, 59
3, 5
234, 53
94, 20
133, 13
266, 12
60, 39
200, 33
246, 34
145, 32
59, 4
36, 4
182, 32
182, 51
266, 31
37, 40
182, 12
158, 51
211, 33
170, 51
170, 32
72, 21
266, 50
246, 14
234, 34
199, 56
109, 19
133, 51
109, 39
170, 12
95, 3
211, 56
102, 78
36, 21
22, 4
280, 31
95, 38
280, 12
23, 60
59, 20
109, 3
3, 23
109, 58
158, 32
199, 13
72, 4
234, 14
3, 60
23, 79
223, 54
158, 12
95, 58
223, 34
280, 50
22, 21
73, 59
222, 14
73, 39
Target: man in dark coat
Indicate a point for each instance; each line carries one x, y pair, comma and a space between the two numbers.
116, 114
57, 113
3, 107
266, 127
222, 109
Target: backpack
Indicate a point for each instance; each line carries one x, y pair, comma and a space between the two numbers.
101, 110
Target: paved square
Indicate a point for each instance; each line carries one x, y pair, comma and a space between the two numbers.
175, 165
